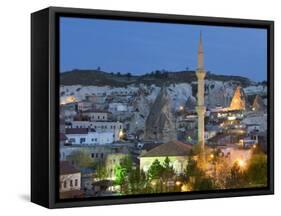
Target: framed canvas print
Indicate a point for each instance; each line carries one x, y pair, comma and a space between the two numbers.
138, 107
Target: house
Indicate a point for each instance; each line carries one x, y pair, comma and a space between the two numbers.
219, 140
248, 142
96, 115
85, 136
178, 153
101, 126
70, 181
117, 107
84, 105
87, 177
253, 128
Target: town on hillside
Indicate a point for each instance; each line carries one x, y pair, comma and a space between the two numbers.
148, 138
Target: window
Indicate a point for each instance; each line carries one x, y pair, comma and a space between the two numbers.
76, 182
82, 140
101, 155
71, 183
98, 117
93, 155
103, 117
64, 184
97, 155
72, 140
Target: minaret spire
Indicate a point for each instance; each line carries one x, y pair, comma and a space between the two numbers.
200, 108
200, 53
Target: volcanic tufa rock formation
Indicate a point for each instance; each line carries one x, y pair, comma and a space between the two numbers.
238, 101
160, 124
258, 104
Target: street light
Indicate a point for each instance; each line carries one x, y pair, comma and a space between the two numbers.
121, 134
241, 163
178, 183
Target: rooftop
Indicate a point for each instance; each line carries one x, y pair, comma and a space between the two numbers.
76, 131
172, 148
67, 168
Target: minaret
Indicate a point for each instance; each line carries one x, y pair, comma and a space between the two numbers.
200, 108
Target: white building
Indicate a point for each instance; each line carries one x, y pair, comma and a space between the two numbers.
84, 105
83, 136
101, 126
253, 128
117, 107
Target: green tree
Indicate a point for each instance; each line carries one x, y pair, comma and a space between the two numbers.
198, 180
81, 158
203, 183
236, 179
192, 169
155, 170
122, 171
101, 171
257, 170
168, 170
137, 181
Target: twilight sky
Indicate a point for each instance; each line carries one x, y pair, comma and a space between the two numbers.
142, 47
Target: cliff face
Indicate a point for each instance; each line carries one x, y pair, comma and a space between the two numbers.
258, 104
160, 124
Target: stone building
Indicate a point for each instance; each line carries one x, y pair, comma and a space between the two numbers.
70, 180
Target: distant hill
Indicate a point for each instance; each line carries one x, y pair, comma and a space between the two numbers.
101, 78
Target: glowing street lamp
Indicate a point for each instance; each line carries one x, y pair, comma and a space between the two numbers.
241, 163
181, 108
121, 134
178, 183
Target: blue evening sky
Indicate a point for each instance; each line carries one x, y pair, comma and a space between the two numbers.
142, 47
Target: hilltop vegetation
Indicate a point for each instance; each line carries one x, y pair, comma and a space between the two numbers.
102, 78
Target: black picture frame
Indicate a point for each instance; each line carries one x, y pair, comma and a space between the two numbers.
45, 105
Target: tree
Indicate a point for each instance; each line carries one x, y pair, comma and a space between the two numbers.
80, 158
205, 183
101, 171
197, 177
168, 170
236, 179
137, 181
122, 171
192, 169
257, 170
155, 170
129, 75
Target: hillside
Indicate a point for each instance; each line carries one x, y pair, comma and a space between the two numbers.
101, 78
